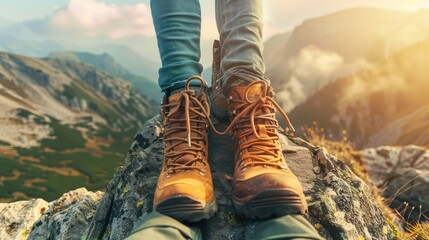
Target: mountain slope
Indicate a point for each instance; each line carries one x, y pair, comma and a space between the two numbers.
383, 105
130, 59
330, 47
107, 63
63, 124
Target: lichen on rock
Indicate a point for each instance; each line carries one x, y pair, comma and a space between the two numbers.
341, 205
67, 217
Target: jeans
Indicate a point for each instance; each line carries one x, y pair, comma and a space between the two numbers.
178, 29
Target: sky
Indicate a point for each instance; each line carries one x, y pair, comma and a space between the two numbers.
280, 15
129, 21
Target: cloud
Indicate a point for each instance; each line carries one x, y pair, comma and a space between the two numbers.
286, 15
310, 70
93, 18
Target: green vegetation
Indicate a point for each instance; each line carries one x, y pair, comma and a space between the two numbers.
64, 163
417, 231
66, 137
345, 151
74, 91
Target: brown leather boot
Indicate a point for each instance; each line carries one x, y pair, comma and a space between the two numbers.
263, 185
185, 188
218, 103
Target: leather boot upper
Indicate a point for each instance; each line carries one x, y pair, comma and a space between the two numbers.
218, 101
185, 169
259, 164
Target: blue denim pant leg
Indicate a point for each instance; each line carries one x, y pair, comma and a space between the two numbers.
178, 26
240, 26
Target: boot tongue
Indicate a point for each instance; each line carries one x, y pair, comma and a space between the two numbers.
239, 92
252, 93
182, 134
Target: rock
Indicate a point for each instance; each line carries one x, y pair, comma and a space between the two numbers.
404, 174
341, 205
16, 219
67, 217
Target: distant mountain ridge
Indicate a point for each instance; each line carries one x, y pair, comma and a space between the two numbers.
134, 62
330, 47
107, 63
386, 104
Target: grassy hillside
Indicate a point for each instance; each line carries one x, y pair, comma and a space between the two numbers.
63, 125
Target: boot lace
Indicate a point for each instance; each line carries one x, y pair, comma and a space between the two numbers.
195, 121
261, 150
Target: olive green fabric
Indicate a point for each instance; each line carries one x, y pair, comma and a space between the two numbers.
286, 227
162, 227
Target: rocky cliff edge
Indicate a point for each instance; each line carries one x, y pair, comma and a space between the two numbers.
341, 205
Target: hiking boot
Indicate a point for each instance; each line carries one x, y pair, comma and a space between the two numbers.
185, 188
219, 106
263, 184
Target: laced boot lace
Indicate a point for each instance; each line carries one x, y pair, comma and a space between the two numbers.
252, 115
185, 131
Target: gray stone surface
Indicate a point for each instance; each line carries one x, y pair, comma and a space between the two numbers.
17, 218
67, 217
403, 173
341, 205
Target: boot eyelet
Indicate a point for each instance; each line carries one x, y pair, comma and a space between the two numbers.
233, 111
202, 173
241, 153
168, 175
243, 169
241, 163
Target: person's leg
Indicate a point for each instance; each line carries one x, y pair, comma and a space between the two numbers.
263, 185
240, 25
161, 227
293, 227
178, 26
185, 187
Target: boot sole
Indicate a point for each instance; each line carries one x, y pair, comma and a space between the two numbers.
186, 209
272, 203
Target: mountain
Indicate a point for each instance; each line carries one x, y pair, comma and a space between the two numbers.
107, 63
385, 104
34, 48
63, 124
330, 47
130, 59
